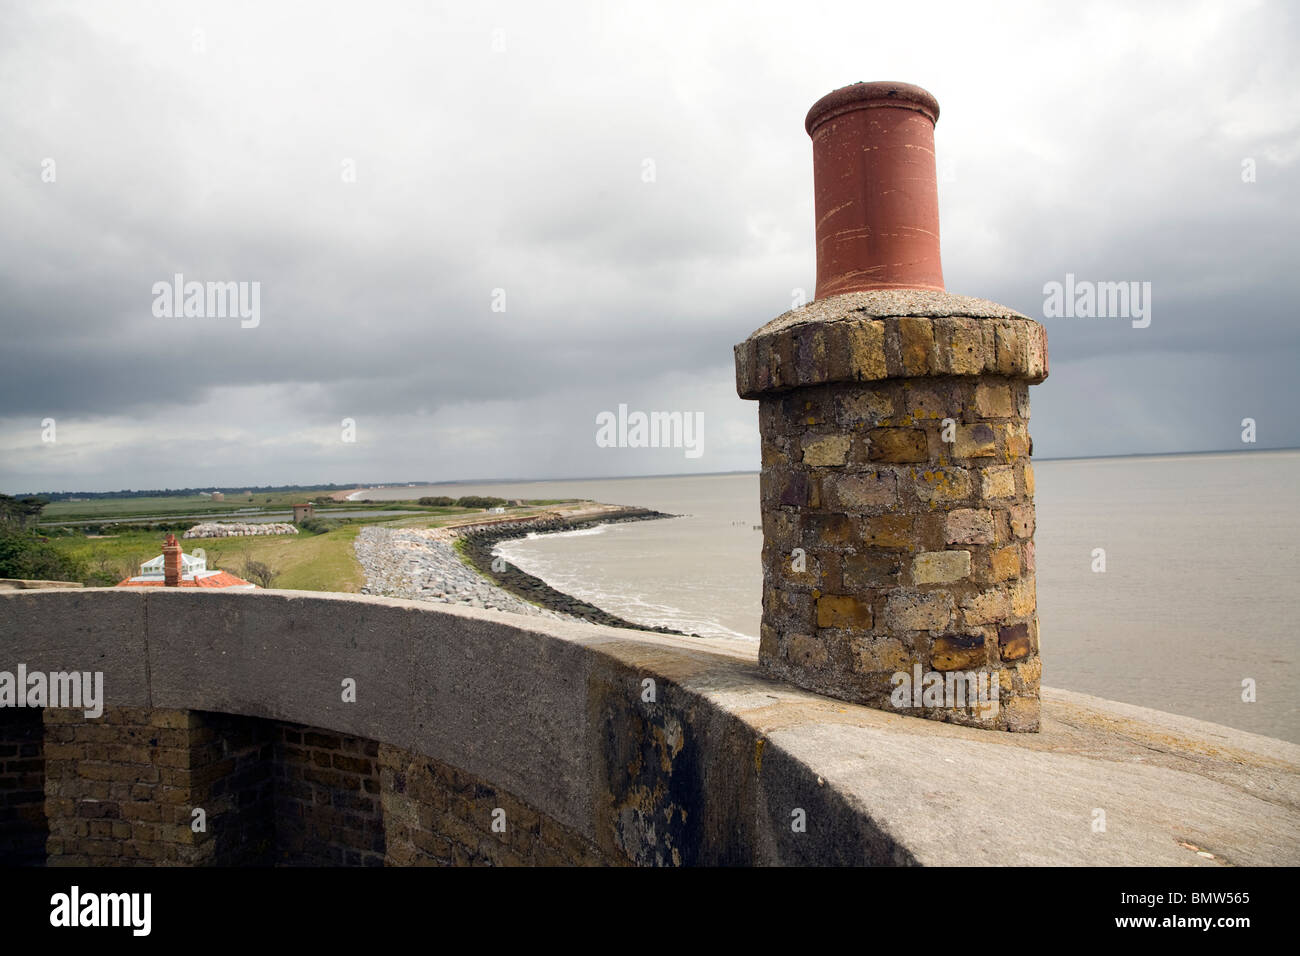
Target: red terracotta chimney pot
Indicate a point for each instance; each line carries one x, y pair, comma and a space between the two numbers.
876, 189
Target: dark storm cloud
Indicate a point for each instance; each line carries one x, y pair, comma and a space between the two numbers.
211, 140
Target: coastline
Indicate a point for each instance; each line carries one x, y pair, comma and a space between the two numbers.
455, 564
421, 564
476, 544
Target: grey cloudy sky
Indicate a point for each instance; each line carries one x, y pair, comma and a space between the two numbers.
504, 146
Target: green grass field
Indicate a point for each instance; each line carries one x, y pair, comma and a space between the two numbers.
307, 562
105, 510
108, 508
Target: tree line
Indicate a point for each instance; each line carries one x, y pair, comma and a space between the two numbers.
25, 554
182, 492
468, 501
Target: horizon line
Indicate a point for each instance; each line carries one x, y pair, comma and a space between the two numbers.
362, 486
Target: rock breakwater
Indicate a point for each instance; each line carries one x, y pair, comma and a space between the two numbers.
423, 565
456, 565
478, 542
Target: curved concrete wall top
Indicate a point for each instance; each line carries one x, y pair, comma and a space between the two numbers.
555, 713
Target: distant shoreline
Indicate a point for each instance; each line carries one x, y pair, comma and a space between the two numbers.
353, 496
476, 544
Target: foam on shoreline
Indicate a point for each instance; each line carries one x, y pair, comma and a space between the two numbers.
458, 564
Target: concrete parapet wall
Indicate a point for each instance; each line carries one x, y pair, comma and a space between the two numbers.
609, 746
27, 584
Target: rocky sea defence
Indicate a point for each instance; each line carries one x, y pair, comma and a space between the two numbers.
478, 542
423, 565
457, 565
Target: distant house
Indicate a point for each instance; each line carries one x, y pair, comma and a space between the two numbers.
497, 511
301, 513
218, 496
176, 569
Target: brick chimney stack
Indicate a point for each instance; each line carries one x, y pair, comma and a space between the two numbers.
896, 490
171, 562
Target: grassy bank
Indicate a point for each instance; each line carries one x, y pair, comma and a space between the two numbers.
111, 508
307, 562
197, 508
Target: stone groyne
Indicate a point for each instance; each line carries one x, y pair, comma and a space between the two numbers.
422, 565
477, 543
456, 565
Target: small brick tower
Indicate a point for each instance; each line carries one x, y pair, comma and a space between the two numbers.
172, 570
897, 491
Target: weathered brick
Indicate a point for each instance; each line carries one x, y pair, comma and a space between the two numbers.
975, 441
1022, 520
998, 481
964, 351
845, 611
1017, 441
55, 751
908, 611
958, 652
1013, 642
833, 530
1023, 601
940, 567
799, 407
864, 406
916, 345
1011, 353
827, 451
875, 654
986, 607
1004, 564
865, 340
927, 401
1036, 358
993, 400
886, 531
781, 529
174, 719
871, 569
937, 486
806, 651
969, 526
859, 492
899, 445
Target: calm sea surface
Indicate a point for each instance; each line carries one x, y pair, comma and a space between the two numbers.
1200, 590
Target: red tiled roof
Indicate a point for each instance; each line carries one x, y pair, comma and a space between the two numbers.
221, 579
